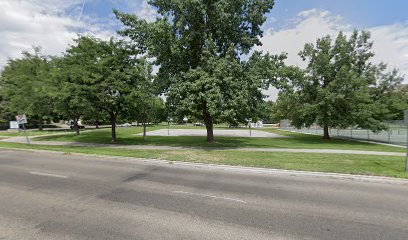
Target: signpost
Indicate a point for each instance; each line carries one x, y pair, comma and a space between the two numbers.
406, 125
249, 120
22, 120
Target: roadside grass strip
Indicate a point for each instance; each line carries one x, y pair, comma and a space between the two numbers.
373, 165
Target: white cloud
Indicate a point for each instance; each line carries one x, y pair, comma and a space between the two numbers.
147, 12
390, 41
391, 46
306, 27
141, 9
51, 24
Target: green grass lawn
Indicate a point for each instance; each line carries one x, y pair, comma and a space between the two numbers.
293, 140
338, 163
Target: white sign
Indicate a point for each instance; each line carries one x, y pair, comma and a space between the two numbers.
21, 119
406, 116
13, 125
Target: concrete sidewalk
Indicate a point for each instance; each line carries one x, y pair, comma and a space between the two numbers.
152, 147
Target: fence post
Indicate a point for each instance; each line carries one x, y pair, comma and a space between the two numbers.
337, 132
351, 132
368, 134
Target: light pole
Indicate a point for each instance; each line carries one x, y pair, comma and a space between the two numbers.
22, 120
406, 128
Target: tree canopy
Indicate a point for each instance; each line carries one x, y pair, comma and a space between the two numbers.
25, 84
110, 71
340, 87
198, 45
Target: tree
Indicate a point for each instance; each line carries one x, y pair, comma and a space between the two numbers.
340, 87
144, 106
111, 71
94, 116
26, 86
69, 93
5, 113
198, 45
392, 96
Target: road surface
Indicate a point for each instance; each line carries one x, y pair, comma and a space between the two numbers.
55, 196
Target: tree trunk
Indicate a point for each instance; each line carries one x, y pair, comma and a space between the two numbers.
326, 132
209, 126
113, 123
144, 130
77, 128
40, 124
76, 125
144, 124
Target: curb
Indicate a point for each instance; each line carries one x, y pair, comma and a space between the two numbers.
237, 169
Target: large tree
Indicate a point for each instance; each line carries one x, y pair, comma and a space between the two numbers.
26, 83
70, 93
111, 71
5, 112
145, 106
198, 45
393, 100
341, 87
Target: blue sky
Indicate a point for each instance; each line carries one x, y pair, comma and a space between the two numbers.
360, 13
53, 24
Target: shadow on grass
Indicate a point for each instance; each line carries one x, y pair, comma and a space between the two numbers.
126, 136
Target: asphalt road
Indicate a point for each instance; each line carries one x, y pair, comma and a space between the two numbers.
54, 196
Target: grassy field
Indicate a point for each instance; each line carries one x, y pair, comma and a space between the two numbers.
390, 166
293, 140
339, 163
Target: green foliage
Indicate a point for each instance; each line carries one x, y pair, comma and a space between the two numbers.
71, 101
25, 84
5, 112
198, 46
390, 94
144, 107
108, 72
340, 87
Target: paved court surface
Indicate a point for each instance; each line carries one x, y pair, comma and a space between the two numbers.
217, 132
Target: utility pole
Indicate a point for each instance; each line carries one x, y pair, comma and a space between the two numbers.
406, 129
22, 119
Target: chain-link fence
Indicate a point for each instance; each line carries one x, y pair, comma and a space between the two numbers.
396, 133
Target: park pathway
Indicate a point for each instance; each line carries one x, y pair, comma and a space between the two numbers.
154, 147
